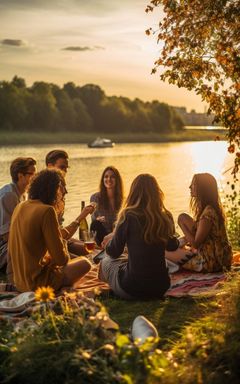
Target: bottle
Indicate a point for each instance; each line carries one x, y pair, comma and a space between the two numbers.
83, 226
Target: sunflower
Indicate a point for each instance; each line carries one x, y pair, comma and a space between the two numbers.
44, 294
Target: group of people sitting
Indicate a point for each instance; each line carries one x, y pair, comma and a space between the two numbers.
138, 233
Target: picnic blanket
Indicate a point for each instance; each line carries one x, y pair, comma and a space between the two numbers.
183, 283
188, 283
90, 283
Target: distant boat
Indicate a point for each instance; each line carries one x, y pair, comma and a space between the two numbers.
101, 143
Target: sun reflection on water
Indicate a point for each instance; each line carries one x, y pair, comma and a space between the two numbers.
206, 158
215, 160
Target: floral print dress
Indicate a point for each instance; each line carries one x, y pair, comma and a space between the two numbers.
215, 254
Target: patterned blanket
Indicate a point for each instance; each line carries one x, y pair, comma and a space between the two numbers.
187, 283
183, 283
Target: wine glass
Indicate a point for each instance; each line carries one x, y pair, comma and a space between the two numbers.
89, 240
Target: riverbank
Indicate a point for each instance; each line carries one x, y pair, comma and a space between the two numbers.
20, 138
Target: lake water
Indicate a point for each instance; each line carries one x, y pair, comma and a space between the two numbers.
173, 164
205, 127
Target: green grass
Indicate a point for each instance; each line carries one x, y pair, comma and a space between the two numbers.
161, 313
202, 335
19, 138
199, 343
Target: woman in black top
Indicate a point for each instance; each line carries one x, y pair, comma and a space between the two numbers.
146, 227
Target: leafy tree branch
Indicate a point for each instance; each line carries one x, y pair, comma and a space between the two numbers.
201, 52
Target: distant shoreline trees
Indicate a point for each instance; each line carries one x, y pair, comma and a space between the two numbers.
46, 107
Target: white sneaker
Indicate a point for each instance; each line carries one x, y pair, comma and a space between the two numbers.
142, 328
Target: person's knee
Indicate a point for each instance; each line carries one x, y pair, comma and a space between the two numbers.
75, 270
182, 218
85, 264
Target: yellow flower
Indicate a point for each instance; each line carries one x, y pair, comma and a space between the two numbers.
86, 355
108, 347
44, 294
97, 291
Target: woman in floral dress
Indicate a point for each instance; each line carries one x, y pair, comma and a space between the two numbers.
205, 234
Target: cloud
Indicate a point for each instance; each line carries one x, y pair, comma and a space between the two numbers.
13, 42
82, 49
101, 5
98, 47
95, 6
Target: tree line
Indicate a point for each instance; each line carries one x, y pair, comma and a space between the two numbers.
46, 107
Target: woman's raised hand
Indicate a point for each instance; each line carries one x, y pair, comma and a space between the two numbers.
106, 239
89, 209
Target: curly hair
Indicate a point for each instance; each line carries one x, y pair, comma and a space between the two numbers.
145, 200
45, 185
206, 194
118, 191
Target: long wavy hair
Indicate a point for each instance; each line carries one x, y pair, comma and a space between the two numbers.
46, 186
206, 191
118, 190
145, 201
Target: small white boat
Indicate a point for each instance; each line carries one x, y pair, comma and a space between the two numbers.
101, 143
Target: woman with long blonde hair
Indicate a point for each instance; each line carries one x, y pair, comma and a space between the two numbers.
146, 227
208, 247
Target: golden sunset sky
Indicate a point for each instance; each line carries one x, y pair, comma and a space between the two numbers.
101, 42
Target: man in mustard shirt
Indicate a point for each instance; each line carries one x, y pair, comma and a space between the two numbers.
37, 249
